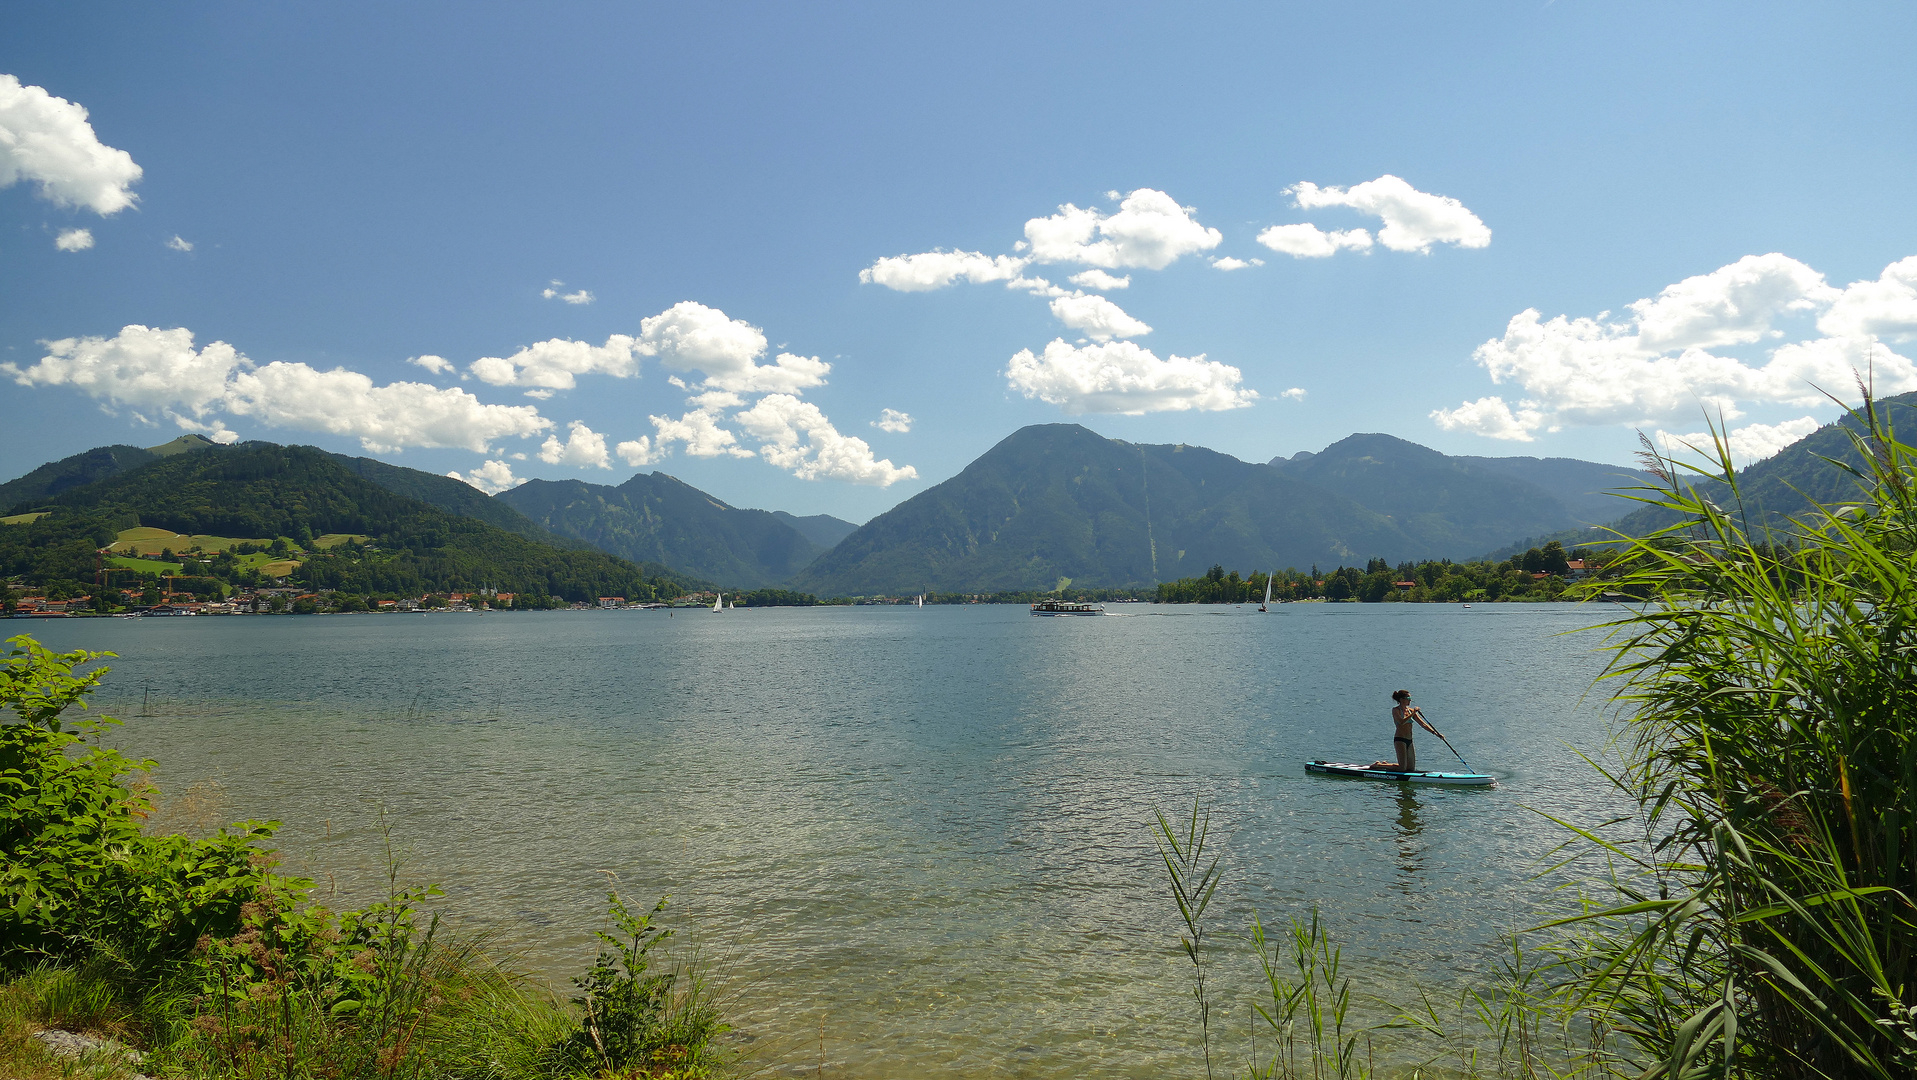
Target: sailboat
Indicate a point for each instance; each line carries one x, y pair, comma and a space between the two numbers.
919, 601
1266, 606
716, 602
730, 606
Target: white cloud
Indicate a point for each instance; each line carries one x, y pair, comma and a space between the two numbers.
1097, 318
1732, 305
690, 336
1657, 363
1754, 442
637, 452
492, 477
74, 240
385, 419
1296, 393
554, 363
794, 435
1122, 377
1310, 242
1038, 286
179, 244
160, 370
894, 421
1885, 308
582, 447
1490, 417
438, 365
938, 269
1228, 262
1150, 230
699, 430
1413, 220
139, 367
47, 140
1099, 279
551, 292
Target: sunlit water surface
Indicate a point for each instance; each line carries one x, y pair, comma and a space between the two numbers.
920, 838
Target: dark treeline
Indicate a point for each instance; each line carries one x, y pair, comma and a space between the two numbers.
1537, 574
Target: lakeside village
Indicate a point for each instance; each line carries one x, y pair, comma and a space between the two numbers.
262, 579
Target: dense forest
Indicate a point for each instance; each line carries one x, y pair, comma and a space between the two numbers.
1537, 574
286, 497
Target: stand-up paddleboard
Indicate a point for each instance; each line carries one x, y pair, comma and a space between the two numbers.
1366, 772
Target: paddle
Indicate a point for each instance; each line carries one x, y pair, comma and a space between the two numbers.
1445, 741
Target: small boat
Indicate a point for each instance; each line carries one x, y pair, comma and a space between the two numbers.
1065, 607
1366, 772
1266, 606
717, 603
919, 601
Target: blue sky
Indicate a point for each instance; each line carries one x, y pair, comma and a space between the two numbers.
363, 185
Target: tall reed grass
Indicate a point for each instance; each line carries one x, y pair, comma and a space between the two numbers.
1757, 916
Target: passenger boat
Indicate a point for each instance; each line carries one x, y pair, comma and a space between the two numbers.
1065, 607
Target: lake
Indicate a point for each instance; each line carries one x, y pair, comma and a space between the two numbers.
922, 837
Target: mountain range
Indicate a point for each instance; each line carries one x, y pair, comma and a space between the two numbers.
1057, 502
1048, 504
659, 518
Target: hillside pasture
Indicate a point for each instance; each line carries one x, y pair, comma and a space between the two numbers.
24, 519
144, 566
147, 540
332, 540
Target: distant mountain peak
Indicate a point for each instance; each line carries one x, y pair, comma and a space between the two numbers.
183, 444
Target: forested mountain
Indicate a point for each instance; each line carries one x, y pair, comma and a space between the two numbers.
454, 497
1786, 483
266, 491
823, 530
1452, 509
659, 518
86, 468
1589, 490
1057, 501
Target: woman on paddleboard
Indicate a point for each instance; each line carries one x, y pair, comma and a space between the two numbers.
1402, 716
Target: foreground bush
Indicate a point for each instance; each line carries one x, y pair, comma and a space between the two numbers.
219, 968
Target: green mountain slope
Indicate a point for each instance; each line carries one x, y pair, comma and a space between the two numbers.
1451, 509
452, 496
824, 530
662, 519
1058, 501
77, 471
264, 490
85, 468
1786, 483
1588, 489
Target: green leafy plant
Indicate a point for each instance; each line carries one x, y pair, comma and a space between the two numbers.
633, 1022
79, 878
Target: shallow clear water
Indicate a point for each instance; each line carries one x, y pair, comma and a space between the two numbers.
927, 831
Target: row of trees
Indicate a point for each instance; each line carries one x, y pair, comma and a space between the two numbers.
1537, 574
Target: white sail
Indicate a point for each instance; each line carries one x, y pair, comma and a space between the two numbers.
921, 601
1266, 606
720, 599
